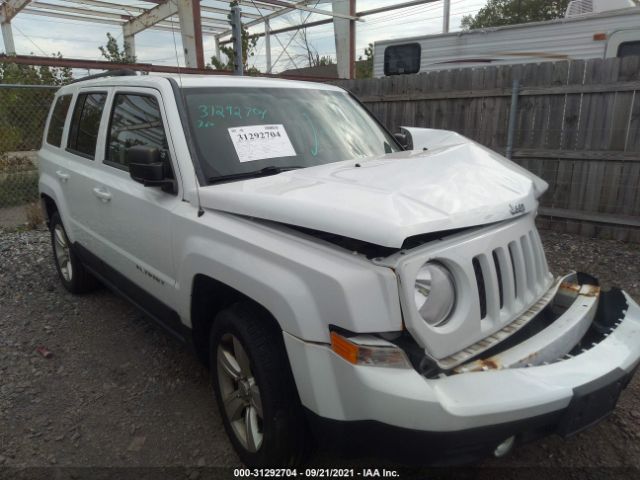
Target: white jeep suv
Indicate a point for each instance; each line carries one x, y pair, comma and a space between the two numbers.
382, 293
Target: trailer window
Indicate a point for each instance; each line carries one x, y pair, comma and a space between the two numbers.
402, 59
628, 49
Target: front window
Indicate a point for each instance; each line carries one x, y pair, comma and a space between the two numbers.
135, 120
241, 130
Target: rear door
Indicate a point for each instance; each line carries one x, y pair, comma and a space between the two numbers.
135, 220
81, 172
52, 161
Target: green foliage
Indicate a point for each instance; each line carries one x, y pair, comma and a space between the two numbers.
23, 111
364, 66
497, 13
248, 51
322, 60
33, 75
113, 53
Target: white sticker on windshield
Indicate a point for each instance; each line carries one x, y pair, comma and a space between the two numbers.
258, 142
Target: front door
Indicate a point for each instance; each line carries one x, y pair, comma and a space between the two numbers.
135, 220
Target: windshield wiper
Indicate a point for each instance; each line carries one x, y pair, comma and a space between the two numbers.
263, 172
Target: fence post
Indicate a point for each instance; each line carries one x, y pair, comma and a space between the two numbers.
513, 112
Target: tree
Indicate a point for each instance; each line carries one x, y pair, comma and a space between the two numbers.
23, 111
309, 53
113, 53
322, 60
364, 66
34, 75
497, 13
248, 51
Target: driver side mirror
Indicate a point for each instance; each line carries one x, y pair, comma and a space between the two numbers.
146, 167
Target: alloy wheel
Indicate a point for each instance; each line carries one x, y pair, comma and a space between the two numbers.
240, 393
62, 252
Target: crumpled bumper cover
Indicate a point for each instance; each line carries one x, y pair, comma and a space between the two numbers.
468, 414
411, 446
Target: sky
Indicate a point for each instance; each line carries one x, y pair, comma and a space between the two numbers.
39, 35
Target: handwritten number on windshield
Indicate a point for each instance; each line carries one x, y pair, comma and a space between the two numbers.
208, 113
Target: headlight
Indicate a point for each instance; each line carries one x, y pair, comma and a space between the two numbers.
434, 293
369, 350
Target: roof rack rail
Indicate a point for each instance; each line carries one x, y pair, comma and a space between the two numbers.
123, 72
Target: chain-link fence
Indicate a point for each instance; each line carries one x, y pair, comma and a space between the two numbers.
23, 112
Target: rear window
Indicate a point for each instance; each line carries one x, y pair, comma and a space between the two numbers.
629, 49
402, 59
85, 123
56, 124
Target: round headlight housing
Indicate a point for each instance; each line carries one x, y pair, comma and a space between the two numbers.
434, 293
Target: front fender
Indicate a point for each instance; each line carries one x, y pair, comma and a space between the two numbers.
305, 285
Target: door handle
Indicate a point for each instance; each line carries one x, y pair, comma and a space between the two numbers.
62, 176
102, 194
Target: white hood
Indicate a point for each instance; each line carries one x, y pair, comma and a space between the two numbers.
388, 198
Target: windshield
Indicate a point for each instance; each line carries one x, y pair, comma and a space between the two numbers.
241, 130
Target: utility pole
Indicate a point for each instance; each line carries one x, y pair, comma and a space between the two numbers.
267, 43
446, 16
236, 37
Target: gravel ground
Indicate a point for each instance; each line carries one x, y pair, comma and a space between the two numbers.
12, 217
117, 391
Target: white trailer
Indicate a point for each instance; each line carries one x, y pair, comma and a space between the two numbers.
590, 29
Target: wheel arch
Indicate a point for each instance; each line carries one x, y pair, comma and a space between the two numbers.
52, 199
49, 207
209, 297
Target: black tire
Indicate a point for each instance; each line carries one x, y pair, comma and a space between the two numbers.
285, 440
79, 280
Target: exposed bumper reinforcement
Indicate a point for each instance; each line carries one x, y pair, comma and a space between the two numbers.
578, 304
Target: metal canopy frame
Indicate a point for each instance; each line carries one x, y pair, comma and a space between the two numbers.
193, 19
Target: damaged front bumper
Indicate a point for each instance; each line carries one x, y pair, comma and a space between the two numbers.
561, 379
568, 316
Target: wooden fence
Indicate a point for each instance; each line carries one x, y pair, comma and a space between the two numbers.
577, 127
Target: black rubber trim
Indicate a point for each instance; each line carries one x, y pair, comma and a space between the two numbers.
418, 447
161, 313
592, 402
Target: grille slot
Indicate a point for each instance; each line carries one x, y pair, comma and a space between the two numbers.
482, 296
511, 247
496, 263
529, 262
519, 269
509, 277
